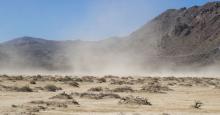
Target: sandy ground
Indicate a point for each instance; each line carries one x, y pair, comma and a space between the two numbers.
178, 100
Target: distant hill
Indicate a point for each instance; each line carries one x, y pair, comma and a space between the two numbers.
182, 37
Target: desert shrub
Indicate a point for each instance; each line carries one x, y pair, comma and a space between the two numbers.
32, 82
63, 104
73, 101
15, 78
91, 96
127, 78
134, 100
155, 87
35, 109
62, 96
186, 84
52, 88
37, 77
123, 89
18, 77
197, 104
101, 80
64, 79
97, 95
111, 77
74, 84
120, 82
88, 78
77, 79
50, 103
23, 89
96, 89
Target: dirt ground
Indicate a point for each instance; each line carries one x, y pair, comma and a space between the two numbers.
108, 95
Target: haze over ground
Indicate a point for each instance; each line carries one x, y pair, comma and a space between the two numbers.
180, 41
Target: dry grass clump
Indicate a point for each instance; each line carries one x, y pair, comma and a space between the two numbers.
120, 82
77, 79
15, 88
50, 103
111, 77
97, 95
186, 84
134, 100
62, 96
28, 110
64, 79
155, 87
35, 109
73, 83
191, 81
96, 89
38, 78
32, 82
101, 80
52, 88
63, 104
23, 89
88, 78
123, 89
16, 78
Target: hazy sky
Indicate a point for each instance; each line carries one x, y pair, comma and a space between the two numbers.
80, 19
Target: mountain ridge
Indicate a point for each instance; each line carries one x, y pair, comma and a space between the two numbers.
180, 37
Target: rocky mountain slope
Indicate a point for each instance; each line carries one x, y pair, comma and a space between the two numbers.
186, 36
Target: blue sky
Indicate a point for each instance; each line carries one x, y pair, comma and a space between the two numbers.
80, 19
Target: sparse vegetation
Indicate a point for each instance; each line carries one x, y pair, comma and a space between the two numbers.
97, 95
73, 83
134, 100
88, 78
62, 96
155, 87
120, 82
96, 89
101, 80
123, 89
52, 88
23, 89
103, 93
32, 82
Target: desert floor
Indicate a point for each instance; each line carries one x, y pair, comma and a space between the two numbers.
108, 95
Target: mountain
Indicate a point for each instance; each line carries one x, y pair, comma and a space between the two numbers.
177, 37
29, 52
184, 35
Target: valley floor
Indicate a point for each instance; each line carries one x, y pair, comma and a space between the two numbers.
108, 95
